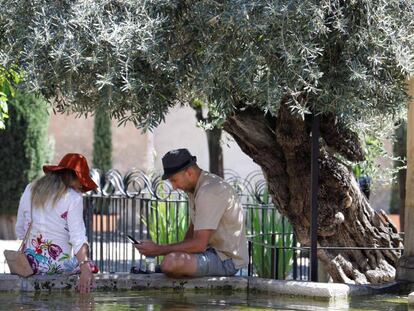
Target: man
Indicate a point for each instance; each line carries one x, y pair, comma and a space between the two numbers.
215, 242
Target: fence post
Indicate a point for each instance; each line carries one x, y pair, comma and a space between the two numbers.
250, 266
295, 259
273, 267
314, 199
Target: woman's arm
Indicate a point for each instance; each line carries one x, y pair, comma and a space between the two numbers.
24, 209
76, 225
77, 237
86, 276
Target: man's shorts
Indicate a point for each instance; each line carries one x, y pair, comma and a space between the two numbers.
210, 264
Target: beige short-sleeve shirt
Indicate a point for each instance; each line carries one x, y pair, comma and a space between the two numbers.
215, 205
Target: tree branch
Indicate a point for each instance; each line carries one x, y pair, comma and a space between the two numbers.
255, 135
341, 139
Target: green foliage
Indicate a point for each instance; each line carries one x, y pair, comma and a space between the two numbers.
91, 53
102, 141
139, 58
24, 148
373, 149
8, 78
213, 118
346, 57
270, 234
167, 221
371, 167
3, 109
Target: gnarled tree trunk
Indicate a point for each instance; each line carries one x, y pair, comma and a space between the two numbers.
282, 147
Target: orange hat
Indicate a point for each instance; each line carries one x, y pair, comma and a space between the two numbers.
77, 163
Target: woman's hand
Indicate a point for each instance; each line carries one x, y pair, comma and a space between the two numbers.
85, 279
86, 276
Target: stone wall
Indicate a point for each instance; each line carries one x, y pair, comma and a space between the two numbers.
71, 134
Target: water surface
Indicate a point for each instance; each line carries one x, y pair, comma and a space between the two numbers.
188, 301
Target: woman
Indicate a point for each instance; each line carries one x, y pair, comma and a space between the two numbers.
54, 204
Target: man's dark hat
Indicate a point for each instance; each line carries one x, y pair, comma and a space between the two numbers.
175, 161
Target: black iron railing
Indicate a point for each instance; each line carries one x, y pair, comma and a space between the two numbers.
146, 207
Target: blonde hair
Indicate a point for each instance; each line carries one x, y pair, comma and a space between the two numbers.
51, 187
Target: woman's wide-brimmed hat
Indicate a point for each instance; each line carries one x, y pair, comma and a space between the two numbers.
77, 163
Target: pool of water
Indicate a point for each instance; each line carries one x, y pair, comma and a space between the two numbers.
186, 301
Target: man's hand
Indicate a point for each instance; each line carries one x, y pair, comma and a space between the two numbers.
196, 244
148, 248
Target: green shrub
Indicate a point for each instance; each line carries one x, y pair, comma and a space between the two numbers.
272, 239
167, 222
24, 148
8, 80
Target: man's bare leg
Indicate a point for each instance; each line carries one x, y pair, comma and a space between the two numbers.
179, 264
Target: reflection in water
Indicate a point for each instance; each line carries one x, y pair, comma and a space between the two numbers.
40, 301
85, 302
170, 300
177, 307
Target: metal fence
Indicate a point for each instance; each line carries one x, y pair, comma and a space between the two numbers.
146, 207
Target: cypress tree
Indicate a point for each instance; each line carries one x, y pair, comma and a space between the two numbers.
102, 141
24, 149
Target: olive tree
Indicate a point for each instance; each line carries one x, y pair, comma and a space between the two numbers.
264, 68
